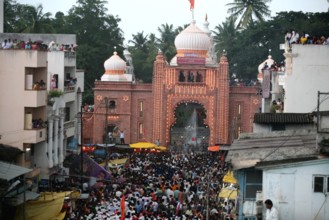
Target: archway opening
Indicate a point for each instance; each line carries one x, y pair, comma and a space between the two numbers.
189, 132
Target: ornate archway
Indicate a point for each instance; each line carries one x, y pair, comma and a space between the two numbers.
189, 130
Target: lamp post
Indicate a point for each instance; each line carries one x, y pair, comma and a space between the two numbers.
81, 145
81, 133
106, 130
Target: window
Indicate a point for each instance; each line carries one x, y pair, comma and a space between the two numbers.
254, 181
140, 130
112, 104
278, 127
67, 114
141, 108
320, 183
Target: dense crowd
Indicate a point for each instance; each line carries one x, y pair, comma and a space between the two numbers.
36, 45
294, 37
158, 186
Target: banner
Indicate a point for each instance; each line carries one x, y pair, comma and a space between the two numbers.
91, 169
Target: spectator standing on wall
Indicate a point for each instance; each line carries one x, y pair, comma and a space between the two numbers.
122, 136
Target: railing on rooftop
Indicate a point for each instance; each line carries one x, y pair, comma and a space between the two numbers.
69, 54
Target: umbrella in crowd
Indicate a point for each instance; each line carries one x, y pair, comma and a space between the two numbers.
144, 145
214, 148
229, 193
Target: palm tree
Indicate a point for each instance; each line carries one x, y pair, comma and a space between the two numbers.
36, 21
139, 41
166, 40
225, 35
247, 9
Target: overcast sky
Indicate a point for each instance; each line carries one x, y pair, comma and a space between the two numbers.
148, 15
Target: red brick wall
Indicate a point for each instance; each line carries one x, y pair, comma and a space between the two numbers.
247, 98
160, 99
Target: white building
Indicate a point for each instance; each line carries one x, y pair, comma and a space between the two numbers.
298, 189
31, 120
286, 158
307, 72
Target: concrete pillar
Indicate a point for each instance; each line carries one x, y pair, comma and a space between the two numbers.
56, 119
50, 141
61, 139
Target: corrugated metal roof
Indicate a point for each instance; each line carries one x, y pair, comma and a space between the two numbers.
247, 152
283, 118
10, 171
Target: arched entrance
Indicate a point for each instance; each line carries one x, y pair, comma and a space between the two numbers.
189, 131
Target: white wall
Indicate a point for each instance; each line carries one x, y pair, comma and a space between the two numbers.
310, 74
56, 66
266, 128
290, 188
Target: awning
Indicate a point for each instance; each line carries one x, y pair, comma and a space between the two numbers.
143, 145
214, 148
19, 199
47, 206
228, 193
105, 145
10, 171
9, 153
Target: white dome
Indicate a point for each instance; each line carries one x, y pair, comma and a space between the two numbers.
192, 38
115, 65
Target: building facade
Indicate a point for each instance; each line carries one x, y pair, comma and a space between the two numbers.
189, 102
39, 100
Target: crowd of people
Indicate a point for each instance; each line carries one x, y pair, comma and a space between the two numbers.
36, 45
158, 186
293, 37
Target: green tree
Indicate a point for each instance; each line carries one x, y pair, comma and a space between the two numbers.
26, 18
11, 16
35, 20
225, 35
245, 10
97, 35
139, 41
59, 23
140, 54
166, 40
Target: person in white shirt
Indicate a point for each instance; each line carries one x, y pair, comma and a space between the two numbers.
271, 212
122, 137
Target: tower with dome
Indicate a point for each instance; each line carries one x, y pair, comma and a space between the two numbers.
189, 103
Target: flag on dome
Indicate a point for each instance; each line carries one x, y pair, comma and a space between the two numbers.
192, 4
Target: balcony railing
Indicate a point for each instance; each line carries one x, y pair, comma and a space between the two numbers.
68, 124
68, 89
69, 54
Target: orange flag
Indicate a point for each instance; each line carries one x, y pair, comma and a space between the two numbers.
192, 4
123, 208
